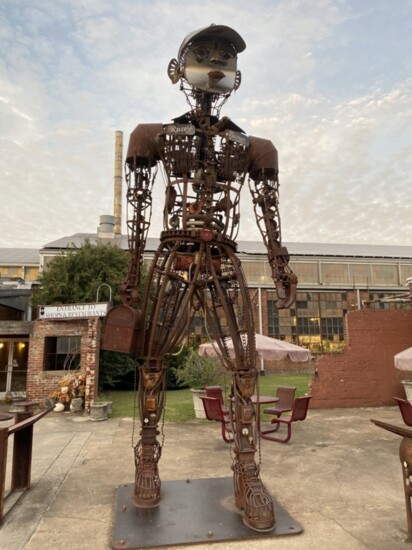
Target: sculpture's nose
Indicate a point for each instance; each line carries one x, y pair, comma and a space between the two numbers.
215, 56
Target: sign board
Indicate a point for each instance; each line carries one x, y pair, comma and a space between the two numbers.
73, 311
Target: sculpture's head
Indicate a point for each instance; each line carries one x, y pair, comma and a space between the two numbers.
207, 60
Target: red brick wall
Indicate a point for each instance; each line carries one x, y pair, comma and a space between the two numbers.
41, 383
364, 375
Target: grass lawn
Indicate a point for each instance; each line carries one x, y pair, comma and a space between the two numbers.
179, 404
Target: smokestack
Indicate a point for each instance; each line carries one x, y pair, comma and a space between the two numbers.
118, 166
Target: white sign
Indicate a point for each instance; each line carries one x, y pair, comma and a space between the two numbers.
73, 311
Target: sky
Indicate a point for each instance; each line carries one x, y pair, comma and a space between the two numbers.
329, 82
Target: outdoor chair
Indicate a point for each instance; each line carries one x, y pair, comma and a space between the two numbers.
286, 396
217, 393
299, 412
406, 410
214, 411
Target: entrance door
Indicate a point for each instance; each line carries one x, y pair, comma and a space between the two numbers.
13, 366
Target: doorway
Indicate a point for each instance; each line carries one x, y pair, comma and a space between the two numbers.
14, 354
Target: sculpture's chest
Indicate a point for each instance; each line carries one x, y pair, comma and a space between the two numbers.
186, 149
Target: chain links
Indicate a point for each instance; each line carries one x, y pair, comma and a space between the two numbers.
134, 405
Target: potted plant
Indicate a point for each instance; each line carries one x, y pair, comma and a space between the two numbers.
196, 373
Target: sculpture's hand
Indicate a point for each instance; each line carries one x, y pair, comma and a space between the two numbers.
286, 287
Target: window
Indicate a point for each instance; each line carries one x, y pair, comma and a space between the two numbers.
381, 300
257, 272
385, 274
61, 352
281, 322
360, 274
335, 273
316, 321
306, 272
406, 272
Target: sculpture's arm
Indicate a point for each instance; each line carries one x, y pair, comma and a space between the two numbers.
140, 167
264, 187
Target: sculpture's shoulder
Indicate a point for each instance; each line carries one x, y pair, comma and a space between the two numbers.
142, 143
262, 155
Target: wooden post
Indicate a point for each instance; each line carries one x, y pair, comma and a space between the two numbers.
4, 436
22, 454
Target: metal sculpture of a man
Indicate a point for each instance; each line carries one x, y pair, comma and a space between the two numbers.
206, 160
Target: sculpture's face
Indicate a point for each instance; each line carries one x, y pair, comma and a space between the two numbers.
211, 66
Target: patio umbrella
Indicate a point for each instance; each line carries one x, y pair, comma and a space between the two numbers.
403, 360
267, 348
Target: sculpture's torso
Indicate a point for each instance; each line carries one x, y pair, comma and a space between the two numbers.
205, 165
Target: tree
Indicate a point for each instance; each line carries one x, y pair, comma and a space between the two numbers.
73, 277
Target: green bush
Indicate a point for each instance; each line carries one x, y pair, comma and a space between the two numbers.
174, 363
199, 371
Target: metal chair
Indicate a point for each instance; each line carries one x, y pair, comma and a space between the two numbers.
406, 410
217, 393
214, 411
299, 412
286, 396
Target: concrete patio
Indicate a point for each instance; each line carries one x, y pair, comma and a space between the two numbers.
339, 477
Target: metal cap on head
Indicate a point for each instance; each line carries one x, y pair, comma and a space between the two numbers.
215, 31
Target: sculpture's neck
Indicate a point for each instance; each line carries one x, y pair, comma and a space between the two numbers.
204, 103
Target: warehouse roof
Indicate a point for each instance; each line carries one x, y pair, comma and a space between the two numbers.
30, 256
19, 256
257, 247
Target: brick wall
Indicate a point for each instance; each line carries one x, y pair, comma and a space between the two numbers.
364, 375
40, 382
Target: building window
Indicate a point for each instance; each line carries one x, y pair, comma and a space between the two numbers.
281, 322
385, 275
316, 321
61, 352
257, 272
382, 300
360, 274
335, 273
306, 272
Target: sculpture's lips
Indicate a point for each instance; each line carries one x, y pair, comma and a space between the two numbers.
217, 75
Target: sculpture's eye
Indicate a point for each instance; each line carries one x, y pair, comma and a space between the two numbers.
225, 55
201, 53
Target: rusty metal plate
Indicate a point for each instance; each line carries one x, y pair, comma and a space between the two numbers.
121, 329
190, 512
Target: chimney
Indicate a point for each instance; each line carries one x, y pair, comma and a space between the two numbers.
118, 166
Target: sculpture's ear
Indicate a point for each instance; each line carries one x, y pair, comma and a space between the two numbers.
173, 71
238, 80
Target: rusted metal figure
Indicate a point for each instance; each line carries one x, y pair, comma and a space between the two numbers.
405, 456
206, 160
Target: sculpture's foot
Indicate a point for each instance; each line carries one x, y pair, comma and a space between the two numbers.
253, 498
147, 487
147, 480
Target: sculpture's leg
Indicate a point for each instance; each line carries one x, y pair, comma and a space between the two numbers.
231, 315
166, 307
405, 455
148, 449
251, 495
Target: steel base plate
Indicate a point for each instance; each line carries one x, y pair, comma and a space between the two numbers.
190, 512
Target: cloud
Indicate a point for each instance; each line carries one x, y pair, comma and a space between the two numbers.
335, 102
